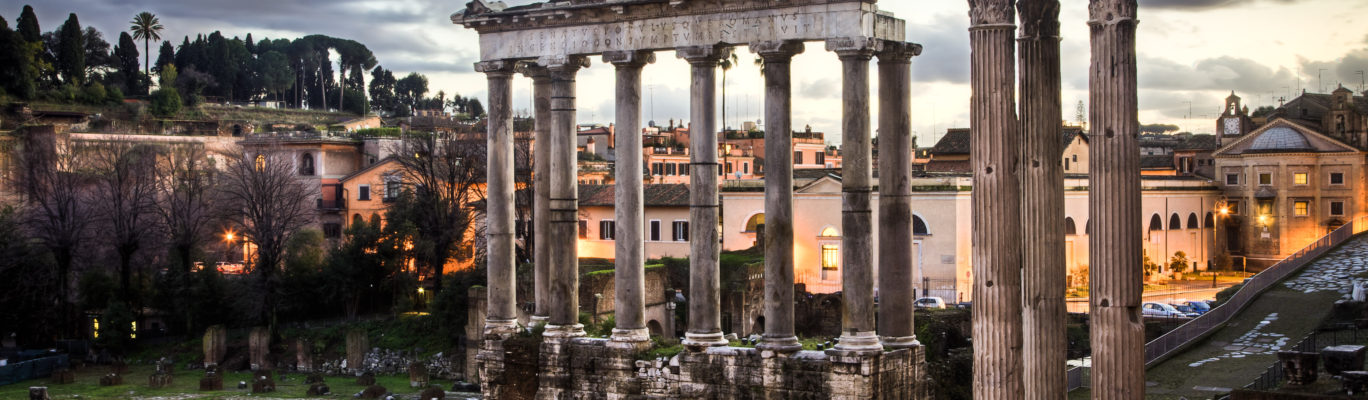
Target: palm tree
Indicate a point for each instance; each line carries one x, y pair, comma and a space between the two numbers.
147, 27
726, 64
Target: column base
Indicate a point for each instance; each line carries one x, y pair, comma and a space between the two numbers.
500, 329
857, 343
700, 341
630, 335
900, 342
563, 331
779, 344
537, 320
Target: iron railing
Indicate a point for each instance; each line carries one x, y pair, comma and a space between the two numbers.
1079, 377
1170, 343
1273, 377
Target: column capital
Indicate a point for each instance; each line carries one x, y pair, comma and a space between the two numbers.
777, 50
1039, 18
564, 63
857, 47
704, 54
992, 13
496, 67
899, 51
533, 70
1111, 12
629, 58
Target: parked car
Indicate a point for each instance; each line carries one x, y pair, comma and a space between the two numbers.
1187, 310
929, 302
1152, 309
1201, 307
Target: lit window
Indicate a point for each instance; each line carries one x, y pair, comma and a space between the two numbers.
1299, 178
831, 260
1265, 179
1300, 207
260, 162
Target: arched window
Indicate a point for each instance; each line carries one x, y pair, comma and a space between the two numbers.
1175, 222
1156, 224
830, 231
1069, 228
1087, 227
753, 224
919, 227
306, 164
1210, 221
1192, 221
260, 162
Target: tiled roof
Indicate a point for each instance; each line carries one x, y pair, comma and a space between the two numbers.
955, 141
659, 195
1156, 162
1068, 134
1198, 142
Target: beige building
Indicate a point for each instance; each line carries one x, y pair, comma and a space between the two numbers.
666, 212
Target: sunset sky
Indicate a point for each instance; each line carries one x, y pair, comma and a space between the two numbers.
1194, 51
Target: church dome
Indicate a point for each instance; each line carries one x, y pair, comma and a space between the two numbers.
1280, 138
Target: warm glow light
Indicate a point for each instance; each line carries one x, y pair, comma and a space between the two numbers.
420, 290
1225, 210
228, 236
1263, 219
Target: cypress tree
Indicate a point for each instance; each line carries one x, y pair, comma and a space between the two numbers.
165, 55
126, 57
71, 51
28, 26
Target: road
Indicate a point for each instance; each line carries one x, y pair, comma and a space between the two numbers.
1184, 290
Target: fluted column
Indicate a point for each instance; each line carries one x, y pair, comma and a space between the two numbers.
629, 262
779, 332
995, 152
1117, 335
1042, 202
896, 295
564, 204
705, 320
541, 189
857, 224
501, 315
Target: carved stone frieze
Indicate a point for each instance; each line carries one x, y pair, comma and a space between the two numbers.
629, 58
1039, 18
991, 12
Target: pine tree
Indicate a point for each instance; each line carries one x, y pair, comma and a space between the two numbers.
126, 57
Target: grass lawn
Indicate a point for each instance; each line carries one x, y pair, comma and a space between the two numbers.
186, 385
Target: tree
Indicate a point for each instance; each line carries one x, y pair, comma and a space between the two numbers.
16, 63
28, 26
165, 55
1080, 114
263, 200
1263, 111
726, 64
71, 62
1179, 262
97, 57
30, 284
382, 90
275, 73
1158, 128
184, 200
148, 27
125, 175
56, 211
362, 265
444, 177
166, 102
409, 93
126, 60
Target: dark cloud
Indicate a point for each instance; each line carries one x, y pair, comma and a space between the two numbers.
945, 54
1346, 70
1221, 73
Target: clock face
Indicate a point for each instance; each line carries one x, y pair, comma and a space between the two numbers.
1232, 126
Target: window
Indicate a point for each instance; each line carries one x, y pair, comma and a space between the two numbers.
831, 260
1234, 207
306, 165
670, 169
1337, 208
584, 229
391, 190
919, 227
1336, 178
1265, 178
1300, 208
655, 230
657, 169
1155, 223
681, 231
1299, 178
1175, 222
1066, 164
684, 169
797, 157
821, 158
745, 168
1232, 179
1265, 207
332, 230
1070, 228
729, 168
1075, 158
607, 230
363, 193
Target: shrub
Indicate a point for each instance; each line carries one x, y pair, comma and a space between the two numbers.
114, 96
166, 102
1226, 294
94, 94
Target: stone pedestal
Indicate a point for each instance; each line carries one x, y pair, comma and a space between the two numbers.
259, 348
159, 380
1343, 358
62, 377
111, 379
211, 380
432, 393
38, 393
1301, 367
215, 344
318, 389
303, 356
1355, 382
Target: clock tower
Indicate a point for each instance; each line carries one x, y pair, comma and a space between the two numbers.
1234, 122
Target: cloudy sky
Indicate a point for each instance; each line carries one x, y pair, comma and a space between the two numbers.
1192, 53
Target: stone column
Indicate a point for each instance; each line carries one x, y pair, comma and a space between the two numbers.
564, 205
705, 320
994, 155
779, 332
502, 318
896, 294
1042, 201
630, 260
857, 253
1118, 335
541, 189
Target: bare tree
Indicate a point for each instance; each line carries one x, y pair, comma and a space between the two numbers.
185, 200
263, 200
124, 176
445, 175
55, 206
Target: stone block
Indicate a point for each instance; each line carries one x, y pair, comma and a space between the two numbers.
374, 392
432, 393
1343, 358
418, 375
318, 389
1301, 367
111, 379
357, 346
211, 383
157, 381
1354, 382
62, 377
365, 379
304, 356
215, 344
38, 393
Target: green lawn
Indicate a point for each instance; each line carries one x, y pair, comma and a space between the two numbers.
87, 386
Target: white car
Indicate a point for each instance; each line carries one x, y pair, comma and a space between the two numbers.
1152, 309
930, 302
